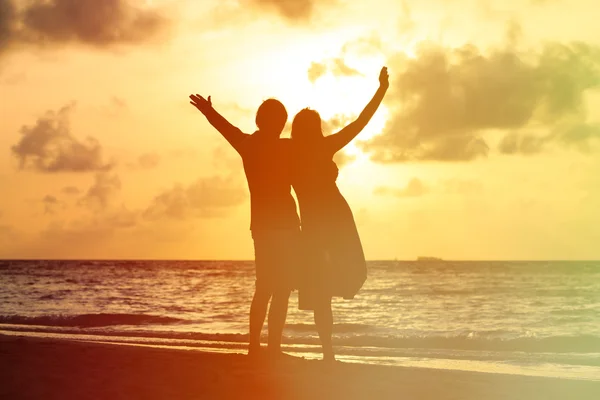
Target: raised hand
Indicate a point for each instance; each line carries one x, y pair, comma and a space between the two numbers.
384, 78
338, 140
200, 102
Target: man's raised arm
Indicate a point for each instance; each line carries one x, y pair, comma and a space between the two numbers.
340, 139
233, 134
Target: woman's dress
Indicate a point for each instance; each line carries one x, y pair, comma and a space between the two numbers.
334, 262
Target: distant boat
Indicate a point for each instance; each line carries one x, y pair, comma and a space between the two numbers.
428, 259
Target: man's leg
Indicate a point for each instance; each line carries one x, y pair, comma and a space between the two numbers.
258, 311
277, 316
262, 290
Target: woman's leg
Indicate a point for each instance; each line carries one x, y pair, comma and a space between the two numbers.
324, 323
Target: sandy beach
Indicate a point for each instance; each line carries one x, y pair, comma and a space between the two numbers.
34, 368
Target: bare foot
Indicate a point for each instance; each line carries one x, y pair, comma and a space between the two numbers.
254, 351
328, 356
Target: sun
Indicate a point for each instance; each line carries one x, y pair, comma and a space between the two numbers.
335, 96
280, 71
344, 98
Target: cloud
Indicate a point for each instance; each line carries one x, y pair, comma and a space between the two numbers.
367, 45
445, 100
148, 160
522, 143
406, 24
101, 192
291, 10
337, 122
316, 70
96, 237
225, 161
362, 216
118, 232
145, 161
184, 153
342, 159
87, 236
578, 135
122, 218
8, 234
89, 22
462, 186
8, 22
50, 204
49, 146
115, 108
207, 197
336, 66
88, 231
70, 190
414, 188
339, 68
13, 78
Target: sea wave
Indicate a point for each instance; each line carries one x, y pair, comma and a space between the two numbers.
555, 344
349, 335
337, 328
88, 320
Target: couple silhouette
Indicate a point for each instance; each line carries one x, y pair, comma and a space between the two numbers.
319, 253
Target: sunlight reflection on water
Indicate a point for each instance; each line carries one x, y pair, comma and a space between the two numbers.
463, 309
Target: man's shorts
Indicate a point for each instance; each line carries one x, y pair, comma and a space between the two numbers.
277, 258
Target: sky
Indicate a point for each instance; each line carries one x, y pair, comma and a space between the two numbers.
486, 146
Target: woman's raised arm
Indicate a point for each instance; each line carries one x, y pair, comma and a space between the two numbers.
338, 140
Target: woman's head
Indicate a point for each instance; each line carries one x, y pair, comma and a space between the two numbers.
307, 125
271, 116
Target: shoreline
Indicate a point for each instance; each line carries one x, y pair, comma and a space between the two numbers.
551, 365
44, 368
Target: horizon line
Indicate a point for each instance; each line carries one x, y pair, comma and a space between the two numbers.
251, 260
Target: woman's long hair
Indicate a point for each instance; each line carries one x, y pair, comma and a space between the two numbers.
306, 127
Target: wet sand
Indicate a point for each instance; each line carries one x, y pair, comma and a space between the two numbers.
32, 368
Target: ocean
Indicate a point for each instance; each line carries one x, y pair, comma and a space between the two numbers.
538, 318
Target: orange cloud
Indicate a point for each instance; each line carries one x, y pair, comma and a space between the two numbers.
336, 66
70, 190
461, 186
105, 187
147, 161
8, 234
90, 22
414, 188
444, 100
49, 146
207, 197
292, 10
50, 204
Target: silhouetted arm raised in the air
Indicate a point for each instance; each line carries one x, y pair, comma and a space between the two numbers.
338, 140
233, 134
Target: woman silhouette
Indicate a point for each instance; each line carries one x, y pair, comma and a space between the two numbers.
335, 263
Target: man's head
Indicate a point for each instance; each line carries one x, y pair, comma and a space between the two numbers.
271, 117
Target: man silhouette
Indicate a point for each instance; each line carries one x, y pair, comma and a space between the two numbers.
275, 225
